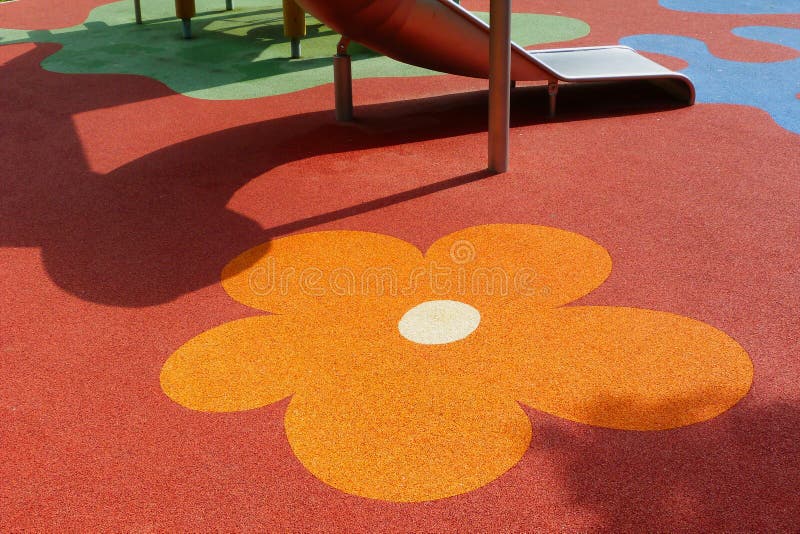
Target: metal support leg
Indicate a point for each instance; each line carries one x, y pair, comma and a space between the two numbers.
552, 91
297, 50
294, 25
187, 28
228, 5
499, 83
343, 82
137, 10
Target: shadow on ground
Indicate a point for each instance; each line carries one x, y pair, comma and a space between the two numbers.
159, 227
737, 472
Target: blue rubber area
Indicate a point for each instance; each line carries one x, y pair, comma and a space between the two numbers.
773, 87
734, 7
788, 37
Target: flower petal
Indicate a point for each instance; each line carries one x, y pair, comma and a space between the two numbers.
621, 368
407, 436
538, 265
240, 365
330, 270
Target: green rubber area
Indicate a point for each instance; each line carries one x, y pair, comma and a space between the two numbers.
235, 54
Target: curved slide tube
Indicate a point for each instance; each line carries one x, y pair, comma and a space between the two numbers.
441, 35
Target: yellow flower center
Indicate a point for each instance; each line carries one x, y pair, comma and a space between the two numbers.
436, 322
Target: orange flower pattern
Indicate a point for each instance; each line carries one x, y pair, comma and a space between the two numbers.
406, 370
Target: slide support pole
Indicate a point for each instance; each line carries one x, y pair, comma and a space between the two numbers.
343, 82
552, 92
499, 83
294, 25
186, 27
185, 10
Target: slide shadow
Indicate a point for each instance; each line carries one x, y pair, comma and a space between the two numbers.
159, 227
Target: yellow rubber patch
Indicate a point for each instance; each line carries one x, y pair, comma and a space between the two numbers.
391, 408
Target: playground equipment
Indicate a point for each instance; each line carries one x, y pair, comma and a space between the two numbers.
294, 25
441, 35
294, 20
184, 10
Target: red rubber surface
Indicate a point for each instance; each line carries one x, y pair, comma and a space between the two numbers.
121, 203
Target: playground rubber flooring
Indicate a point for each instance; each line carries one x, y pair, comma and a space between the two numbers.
223, 310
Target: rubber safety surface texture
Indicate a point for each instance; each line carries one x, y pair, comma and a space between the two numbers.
224, 310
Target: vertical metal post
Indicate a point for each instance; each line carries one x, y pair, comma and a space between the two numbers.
186, 28
294, 25
296, 48
552, 92
137, 10
499, 83
343, 82
185, 10
228, 5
